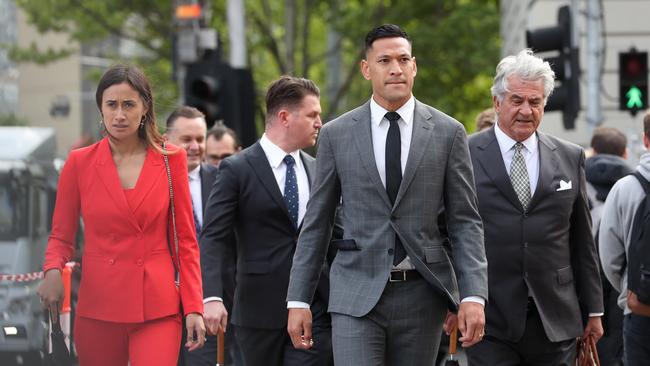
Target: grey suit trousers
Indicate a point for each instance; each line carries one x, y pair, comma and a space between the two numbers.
403, 329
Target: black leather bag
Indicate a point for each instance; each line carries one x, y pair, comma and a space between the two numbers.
60, 355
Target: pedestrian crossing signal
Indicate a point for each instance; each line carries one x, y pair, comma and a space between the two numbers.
633, 81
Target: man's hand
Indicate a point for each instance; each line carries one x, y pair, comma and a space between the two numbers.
450, 322
195, 331
299, 328
215, 316
471, 323
594, 328
636, 306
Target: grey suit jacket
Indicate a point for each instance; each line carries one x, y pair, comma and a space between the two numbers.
547, 249
438, 171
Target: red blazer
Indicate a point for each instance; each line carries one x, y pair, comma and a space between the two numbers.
127, 269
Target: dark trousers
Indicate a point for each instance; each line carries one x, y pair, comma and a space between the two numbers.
273, 347
610, 346
636, 338
533, 349
404, 328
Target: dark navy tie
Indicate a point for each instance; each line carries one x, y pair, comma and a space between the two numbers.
291, 190
394, 173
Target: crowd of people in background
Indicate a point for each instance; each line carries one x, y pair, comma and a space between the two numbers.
341, 259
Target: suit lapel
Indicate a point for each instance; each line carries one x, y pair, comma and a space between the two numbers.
363, 138
262, 169
548, 166
491, 161
107, 173
206, 185
421, 135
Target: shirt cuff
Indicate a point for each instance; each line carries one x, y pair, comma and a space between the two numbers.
477, 299
297, 305
595, 315
211, 299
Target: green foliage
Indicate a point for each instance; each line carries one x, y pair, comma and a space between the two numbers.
455, 42
12, 120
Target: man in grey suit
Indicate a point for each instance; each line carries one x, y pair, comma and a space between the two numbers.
543, 271
391, 164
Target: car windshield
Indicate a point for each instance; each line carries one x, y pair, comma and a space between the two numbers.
12, 212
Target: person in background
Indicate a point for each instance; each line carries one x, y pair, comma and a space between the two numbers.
606, 166
222, 142
129, 303
615, 236
186, 128
486, 119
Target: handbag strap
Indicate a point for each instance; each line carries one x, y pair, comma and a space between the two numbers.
55, 319
177, 263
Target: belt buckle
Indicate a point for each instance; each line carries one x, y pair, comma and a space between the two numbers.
403, 273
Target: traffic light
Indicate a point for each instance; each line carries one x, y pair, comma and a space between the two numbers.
564, 62
633, 81
204, 86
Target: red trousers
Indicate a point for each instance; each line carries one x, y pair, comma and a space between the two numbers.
154, 342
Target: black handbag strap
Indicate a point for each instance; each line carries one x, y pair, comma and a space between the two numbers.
55, 319
177, 262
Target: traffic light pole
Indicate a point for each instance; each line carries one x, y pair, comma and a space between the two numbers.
594, 63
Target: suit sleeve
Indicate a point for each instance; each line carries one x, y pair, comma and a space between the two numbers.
218, 253
61, 243
464, 225
318, 223
584, 256
188, 250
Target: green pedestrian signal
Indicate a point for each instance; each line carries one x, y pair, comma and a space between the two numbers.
634, 96
633, 81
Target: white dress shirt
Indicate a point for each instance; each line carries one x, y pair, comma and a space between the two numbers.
275, 156
195, 191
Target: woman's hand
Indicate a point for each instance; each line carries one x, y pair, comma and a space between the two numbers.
195, 331
51, 289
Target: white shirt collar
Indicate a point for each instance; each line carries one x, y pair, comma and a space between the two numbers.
275, 154
506, 143
194, 174
406, 111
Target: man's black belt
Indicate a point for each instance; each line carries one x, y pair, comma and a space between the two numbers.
401, 275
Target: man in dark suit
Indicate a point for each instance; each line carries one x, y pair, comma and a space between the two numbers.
261, 194
391, 164
186, 127
542, 261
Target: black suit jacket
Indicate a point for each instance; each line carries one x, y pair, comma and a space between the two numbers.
246, 200
548, 248
207, 173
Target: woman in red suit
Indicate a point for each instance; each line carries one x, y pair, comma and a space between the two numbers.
129, 304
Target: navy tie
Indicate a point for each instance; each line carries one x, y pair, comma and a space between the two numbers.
394, 173
291, 190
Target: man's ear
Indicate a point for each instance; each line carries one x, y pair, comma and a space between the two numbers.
365, 69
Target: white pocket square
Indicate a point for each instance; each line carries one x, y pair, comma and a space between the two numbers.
564, 186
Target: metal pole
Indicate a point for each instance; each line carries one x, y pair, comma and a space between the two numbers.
594, 62
237, 34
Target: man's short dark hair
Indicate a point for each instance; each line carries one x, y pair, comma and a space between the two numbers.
184, 111
646, 124
219, 130
288, 92
384, 31
609, 140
